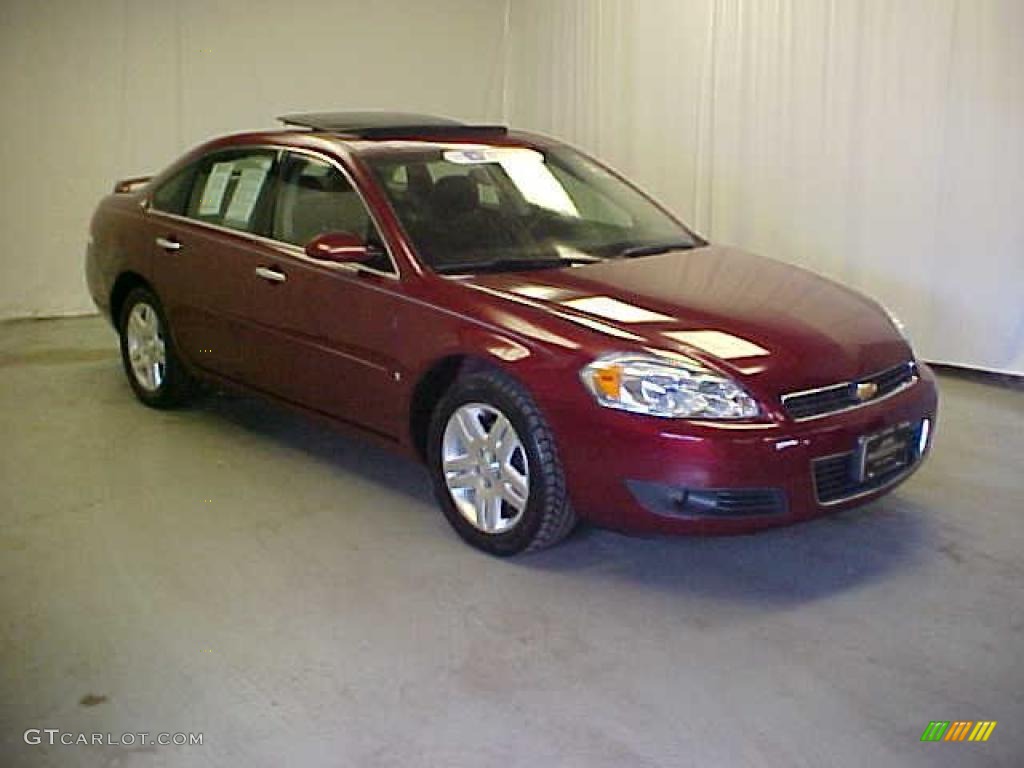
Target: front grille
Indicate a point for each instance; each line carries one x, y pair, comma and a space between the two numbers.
836, 477
841, 397
672, 501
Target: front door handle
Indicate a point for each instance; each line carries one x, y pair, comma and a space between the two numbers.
168, 244
272, 275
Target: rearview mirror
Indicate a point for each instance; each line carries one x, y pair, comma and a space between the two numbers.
340, 247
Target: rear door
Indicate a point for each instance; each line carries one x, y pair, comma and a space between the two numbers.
206, 255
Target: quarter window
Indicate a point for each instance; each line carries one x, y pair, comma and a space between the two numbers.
172, 195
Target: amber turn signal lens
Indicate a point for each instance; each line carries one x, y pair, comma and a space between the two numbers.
608, 381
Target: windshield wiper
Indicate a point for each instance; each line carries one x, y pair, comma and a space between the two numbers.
512, 265
654, 249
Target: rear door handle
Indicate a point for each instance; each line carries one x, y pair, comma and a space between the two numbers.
168, 243
273, 275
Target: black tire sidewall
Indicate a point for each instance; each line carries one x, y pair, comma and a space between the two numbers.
484, 389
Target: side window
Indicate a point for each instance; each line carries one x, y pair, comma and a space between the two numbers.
314, 197
172, 195
231, 189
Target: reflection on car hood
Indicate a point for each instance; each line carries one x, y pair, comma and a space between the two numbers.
753, 316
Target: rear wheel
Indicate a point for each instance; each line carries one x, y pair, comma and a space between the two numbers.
495, 468
150, 361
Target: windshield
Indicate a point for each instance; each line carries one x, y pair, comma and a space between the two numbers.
472, 209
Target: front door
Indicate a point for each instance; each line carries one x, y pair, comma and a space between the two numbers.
326, 332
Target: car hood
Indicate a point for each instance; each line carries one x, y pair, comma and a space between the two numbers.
764, 321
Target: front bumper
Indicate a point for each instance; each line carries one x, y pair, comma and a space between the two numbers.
617, 464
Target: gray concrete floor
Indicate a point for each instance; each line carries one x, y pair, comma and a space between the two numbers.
294, 595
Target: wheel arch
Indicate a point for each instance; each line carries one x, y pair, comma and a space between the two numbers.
125, 283
432, 386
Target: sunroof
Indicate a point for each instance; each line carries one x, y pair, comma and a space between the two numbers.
382, 124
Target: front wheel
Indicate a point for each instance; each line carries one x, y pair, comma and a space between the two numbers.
495, 468
154, 371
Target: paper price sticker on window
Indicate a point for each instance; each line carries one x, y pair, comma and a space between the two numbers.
247, 192
216, 185
476, 156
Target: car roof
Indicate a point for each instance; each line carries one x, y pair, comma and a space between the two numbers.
388, 125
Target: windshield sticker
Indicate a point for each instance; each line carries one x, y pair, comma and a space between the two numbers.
490, 155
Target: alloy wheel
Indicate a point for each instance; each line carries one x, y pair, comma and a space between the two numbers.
485, 467
147, 351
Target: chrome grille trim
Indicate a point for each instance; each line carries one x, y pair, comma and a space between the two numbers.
836, 398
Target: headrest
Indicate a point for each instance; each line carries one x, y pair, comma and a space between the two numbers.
455, 195
421, 185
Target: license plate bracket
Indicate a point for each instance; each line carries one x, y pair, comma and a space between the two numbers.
884, 453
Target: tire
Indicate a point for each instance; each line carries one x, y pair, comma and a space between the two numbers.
479, 475
146, 335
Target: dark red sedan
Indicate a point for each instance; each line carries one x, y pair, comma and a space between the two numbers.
548, 339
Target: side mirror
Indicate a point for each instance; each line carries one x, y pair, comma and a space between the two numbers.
340, 247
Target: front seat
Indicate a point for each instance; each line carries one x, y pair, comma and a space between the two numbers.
455, 197
462, 228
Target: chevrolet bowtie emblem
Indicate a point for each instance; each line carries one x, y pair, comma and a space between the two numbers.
866, 390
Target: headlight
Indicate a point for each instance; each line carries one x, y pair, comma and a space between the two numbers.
656, 387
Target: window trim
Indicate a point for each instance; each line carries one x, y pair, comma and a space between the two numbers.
290, 249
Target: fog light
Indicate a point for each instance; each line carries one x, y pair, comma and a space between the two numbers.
696, 503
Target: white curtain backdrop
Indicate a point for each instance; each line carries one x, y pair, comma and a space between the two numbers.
880, 142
